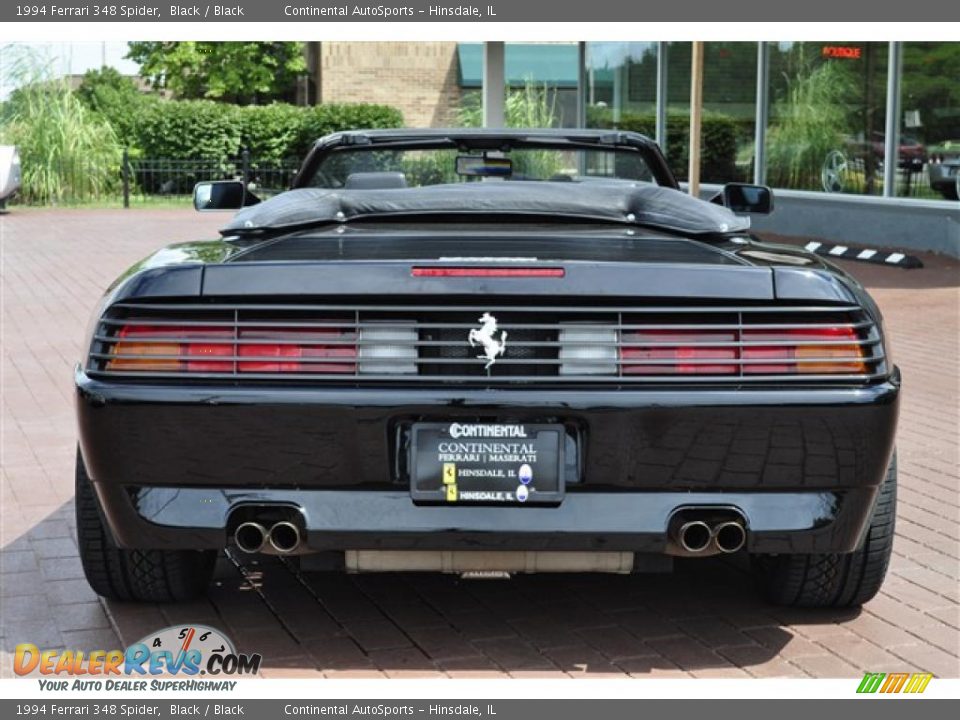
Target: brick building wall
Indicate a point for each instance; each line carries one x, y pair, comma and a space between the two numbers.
418, 78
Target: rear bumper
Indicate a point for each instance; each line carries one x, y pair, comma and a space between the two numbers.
173, 464
795, 522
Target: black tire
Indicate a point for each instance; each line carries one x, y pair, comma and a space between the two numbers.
837, 580
137, 575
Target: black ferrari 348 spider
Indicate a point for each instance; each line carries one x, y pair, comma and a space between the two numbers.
481, 351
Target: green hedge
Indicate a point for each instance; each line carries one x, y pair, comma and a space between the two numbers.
153, 127
203, 129
188, 130
719, 149
320, 120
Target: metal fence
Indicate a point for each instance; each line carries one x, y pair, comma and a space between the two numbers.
151, 178
138, 181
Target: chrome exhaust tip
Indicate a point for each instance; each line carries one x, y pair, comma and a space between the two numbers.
729, 536
250, 537
694, 536
284, 537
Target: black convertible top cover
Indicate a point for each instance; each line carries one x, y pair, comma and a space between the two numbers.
622, 202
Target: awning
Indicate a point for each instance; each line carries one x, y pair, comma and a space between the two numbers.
540, 63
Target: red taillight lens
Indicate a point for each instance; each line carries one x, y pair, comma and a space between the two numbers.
784, 351
300, 351
169, 348
679, 352
803, 350
152, 348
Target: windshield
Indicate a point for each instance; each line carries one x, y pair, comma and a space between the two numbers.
362, 168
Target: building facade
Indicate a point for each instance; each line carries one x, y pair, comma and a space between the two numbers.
861, 140
821, 111
418, 78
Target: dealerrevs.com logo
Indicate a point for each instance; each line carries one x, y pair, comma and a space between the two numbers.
186, 651
889, 683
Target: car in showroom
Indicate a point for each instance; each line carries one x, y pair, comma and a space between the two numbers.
486, 351
944, 169
859, 165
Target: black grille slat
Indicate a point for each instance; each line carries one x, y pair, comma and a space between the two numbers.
436, 336
456, 357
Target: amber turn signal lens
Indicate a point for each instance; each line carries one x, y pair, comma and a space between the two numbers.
145, 359
849, 359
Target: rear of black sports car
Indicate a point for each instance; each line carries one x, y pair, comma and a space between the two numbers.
572, 376
668, 397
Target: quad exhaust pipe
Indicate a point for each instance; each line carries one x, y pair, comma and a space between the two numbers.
250, 537
698, 536
282, 537
728, 537
694, 536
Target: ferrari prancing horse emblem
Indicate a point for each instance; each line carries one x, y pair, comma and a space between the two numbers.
486, 335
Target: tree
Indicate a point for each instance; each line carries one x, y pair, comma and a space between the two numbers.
930, 72
116, 99
246, 73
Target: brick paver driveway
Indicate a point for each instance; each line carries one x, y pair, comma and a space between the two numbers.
704, 620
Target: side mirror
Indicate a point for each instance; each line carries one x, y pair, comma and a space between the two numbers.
743, 198
222, 195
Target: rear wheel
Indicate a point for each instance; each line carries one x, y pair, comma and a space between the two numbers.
835, 579
140, 575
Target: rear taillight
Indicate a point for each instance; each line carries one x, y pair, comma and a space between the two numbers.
170, 348
268, 350
783, 351
802, 350
679, 352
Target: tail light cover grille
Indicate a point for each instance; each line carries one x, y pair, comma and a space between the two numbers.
545, 344
215, 349
746, 351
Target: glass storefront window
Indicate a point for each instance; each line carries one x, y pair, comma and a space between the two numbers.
729, 109
621, 92
929, 153
621, 85
827, 116
827, 111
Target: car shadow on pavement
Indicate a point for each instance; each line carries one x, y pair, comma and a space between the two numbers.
704, 619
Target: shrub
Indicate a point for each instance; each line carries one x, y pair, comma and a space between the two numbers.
320, 120
719, 142
532, 106
808, 124
271, 132
189, 130
210, 131
67, 152
116, 99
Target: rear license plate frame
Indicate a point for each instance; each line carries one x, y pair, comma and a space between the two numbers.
531, 451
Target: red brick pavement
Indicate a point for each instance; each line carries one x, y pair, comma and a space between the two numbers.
704, 620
